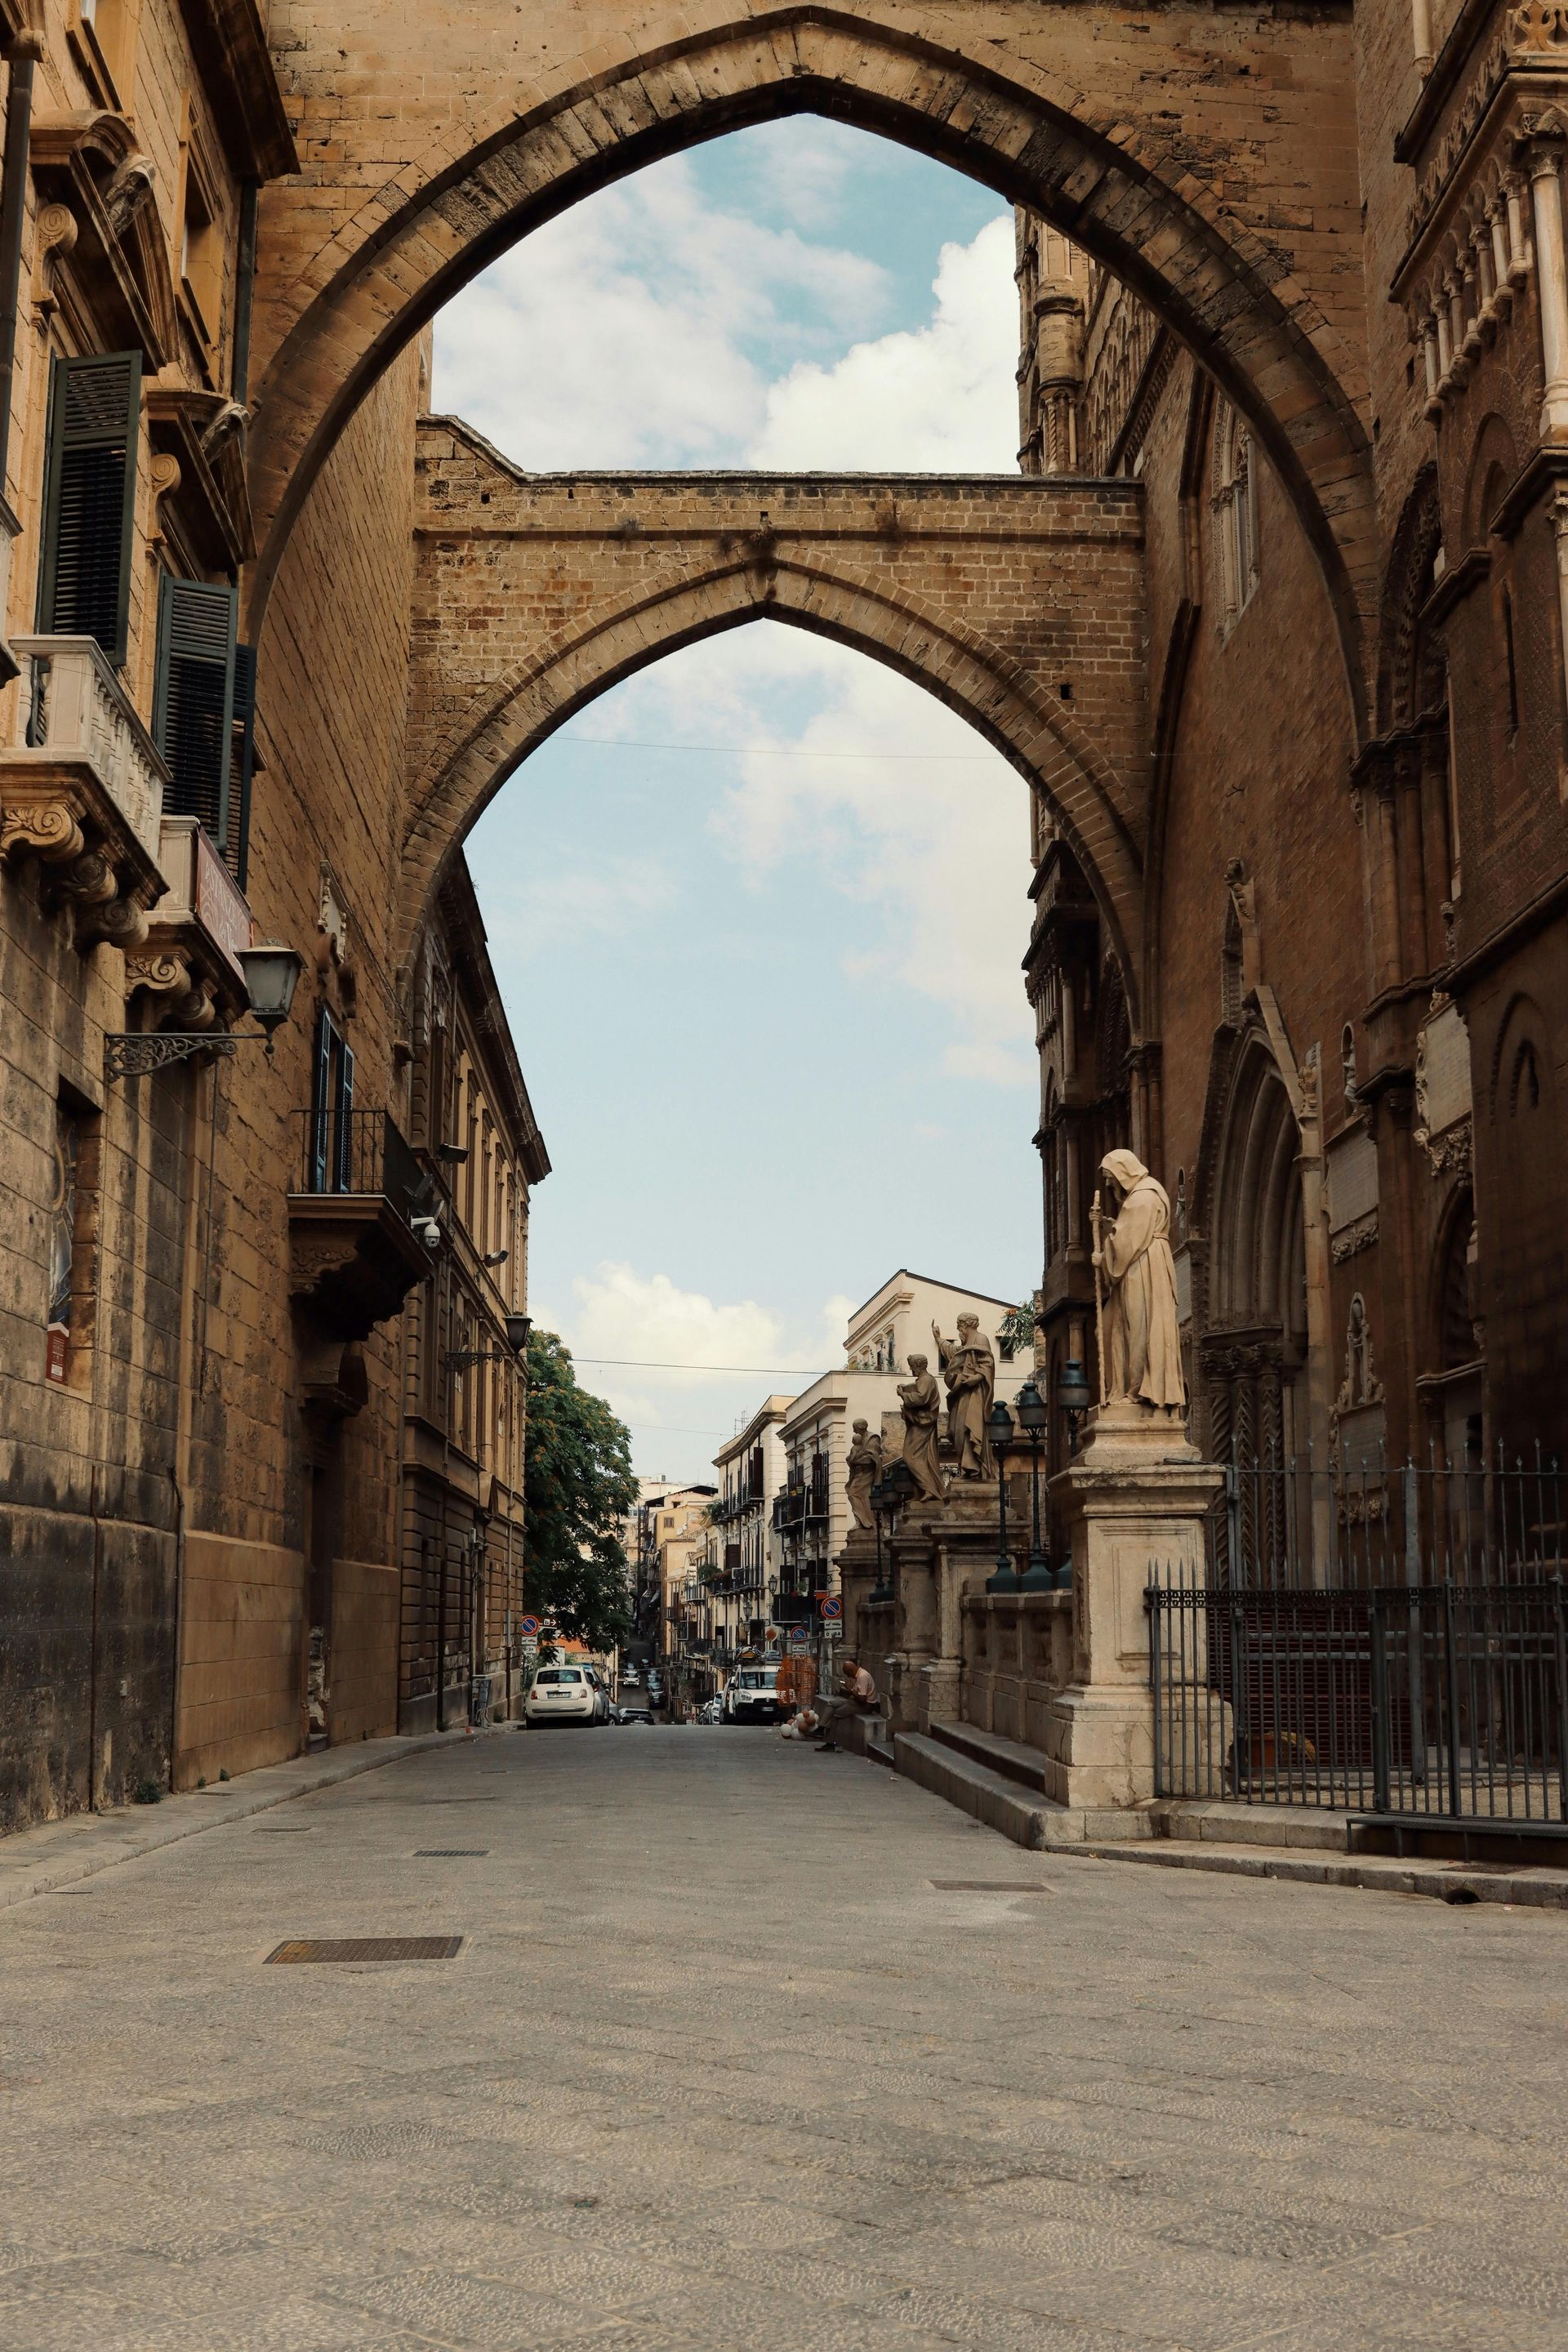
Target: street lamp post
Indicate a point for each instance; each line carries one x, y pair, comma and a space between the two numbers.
1073, 1396
889, 1495
1034, 1415
999, 1428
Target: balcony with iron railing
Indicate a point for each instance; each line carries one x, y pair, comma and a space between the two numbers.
354, 1254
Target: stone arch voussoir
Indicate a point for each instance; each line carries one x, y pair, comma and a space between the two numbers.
1123, 191
510, 716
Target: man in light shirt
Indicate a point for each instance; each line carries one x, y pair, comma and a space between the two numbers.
858, 1696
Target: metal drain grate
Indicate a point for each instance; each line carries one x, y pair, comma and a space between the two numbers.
283, 1829
460, 1801
988, 1886
365, 1947
451, 1853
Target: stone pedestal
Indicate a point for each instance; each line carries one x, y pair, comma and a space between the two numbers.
1133, 1505
941, 1550
857, 1566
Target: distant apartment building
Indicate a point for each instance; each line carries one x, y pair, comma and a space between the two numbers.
810, 1510
750, 1470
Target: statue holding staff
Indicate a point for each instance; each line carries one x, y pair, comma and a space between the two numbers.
863, 1467
1142, 1357
969, 1368
922, 1401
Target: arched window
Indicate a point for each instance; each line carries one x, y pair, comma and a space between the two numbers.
1236, 512
1232, 977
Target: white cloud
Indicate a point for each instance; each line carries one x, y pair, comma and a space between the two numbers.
923, 830
623, 333
542, 908
641, 1342
939, 398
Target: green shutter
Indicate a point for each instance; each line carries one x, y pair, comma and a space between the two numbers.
321, 1102
193, 699
90, 499
237, 848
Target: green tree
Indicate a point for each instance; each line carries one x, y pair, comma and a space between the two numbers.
579, 1489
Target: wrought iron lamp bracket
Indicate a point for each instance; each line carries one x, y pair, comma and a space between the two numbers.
137, 1052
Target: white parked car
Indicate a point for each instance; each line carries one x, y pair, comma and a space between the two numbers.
752, 1695
564, 1694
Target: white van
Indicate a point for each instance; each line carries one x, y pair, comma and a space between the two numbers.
752, 1695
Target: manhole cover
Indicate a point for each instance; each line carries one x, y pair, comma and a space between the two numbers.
451, 1853
988, 1886
365, 1947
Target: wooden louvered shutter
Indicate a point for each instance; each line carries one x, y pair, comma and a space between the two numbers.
347, 1182
238, 847
193, 699
90, 499
321, 1102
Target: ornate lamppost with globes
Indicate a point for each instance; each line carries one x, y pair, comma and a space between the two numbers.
892, 1490
1034, 1417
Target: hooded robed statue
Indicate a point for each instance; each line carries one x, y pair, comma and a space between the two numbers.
1142, 1337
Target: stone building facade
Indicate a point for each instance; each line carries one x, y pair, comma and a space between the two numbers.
1287, 677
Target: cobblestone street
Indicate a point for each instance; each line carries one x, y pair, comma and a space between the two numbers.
746, 2047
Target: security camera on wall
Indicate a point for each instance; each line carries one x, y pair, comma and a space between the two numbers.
428, 1231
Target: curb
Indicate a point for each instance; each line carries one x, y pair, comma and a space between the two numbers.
1450, 1884
108, 1844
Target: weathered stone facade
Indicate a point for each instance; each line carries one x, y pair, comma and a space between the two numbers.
1301, 838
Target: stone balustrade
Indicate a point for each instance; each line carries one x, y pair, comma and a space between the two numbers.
1017, 1651
82, 791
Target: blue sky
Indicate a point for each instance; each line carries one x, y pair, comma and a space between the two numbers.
764, 985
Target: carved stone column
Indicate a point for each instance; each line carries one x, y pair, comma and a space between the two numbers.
1545, 166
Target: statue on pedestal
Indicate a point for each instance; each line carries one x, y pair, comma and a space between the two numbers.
968, 1368
863, 1465
1142, 1340
922, 1401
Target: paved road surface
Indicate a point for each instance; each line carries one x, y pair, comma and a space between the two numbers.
729, 2059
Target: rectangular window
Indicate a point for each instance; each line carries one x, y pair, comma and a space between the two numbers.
194, 701
332, 1130
90, 499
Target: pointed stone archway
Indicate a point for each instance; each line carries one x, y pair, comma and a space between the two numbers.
1018, 604
1208, 161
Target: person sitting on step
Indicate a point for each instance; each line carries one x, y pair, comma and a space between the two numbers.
858, 1696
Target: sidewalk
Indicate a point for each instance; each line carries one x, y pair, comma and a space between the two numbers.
56, 1854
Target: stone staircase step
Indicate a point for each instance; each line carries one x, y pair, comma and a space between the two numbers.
1002, 1804
1012, 1758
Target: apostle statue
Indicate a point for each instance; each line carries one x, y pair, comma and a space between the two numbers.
1142, 1337
863, 1463
922, 1401
968, 1368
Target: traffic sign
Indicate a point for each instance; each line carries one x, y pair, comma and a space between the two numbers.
831, 1605
798, 1637
527, 1625
833, 1629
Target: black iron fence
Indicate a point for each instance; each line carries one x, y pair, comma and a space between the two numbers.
1360, 1521
1444, 1701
